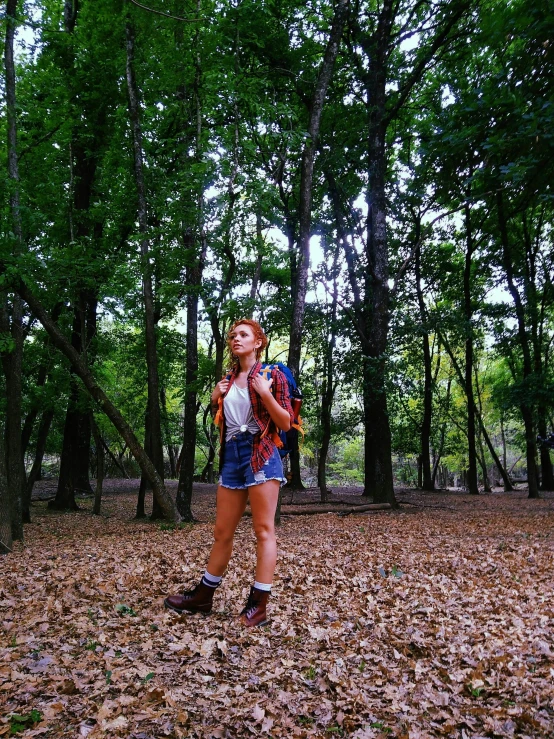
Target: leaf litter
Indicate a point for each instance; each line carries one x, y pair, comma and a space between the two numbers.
435, 622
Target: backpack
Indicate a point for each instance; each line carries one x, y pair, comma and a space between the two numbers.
288, 439
285, 441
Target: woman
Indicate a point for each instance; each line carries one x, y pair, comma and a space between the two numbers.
254, 407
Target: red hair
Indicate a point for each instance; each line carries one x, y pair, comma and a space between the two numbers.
258, 332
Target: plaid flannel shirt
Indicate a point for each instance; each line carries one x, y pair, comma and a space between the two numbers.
263, 445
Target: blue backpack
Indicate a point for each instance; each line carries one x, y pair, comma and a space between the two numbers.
289, 439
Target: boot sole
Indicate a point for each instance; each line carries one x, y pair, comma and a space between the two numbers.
180, 611
253, 626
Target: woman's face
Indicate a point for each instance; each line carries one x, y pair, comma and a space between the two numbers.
242, 341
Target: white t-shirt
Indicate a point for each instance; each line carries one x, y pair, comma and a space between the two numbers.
238, 412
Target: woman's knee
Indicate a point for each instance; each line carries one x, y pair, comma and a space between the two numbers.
264, 532
223, 535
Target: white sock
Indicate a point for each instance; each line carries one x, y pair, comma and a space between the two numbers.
263, 586
211, 580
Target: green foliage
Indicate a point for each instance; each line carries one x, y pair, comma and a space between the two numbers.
224, 112
19, 722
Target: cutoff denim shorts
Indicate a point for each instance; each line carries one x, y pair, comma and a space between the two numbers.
236, 471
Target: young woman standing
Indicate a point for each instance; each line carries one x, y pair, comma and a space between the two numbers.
253, 409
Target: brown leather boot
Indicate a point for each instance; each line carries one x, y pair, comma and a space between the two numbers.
198, 600
254, 612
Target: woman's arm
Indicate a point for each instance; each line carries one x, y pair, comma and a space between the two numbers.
278, 406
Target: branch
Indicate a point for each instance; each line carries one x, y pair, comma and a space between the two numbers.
411, 255
349, 313
165, 15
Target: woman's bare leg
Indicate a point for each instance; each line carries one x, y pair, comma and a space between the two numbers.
263, 504
229, 509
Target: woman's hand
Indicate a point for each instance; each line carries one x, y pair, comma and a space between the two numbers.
262, 386
220, 389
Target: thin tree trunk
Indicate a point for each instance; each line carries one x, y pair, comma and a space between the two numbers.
472, 485
195, 247
99, 467
12, 361
144, 486
378, 449
259, 258
114, 459
427, 482
526, 407
305, 208
186, 473
165, 419
503, 473
547, 478
154, 416
42, 436
5, 508
328, 389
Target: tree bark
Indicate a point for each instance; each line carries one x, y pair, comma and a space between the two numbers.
427, 482
12, 360
305, 208
5, 508
100, 458
472, 484
195, 246
526, 406
186, 473
378, 451
167, 432
329, 385
154, 415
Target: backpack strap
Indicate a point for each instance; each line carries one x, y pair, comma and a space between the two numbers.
218, 418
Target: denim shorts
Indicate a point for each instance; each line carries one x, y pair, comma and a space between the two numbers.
236, 471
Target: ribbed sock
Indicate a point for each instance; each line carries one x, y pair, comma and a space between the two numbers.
211, 581
263, 586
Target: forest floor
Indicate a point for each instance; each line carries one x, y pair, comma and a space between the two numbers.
433, 620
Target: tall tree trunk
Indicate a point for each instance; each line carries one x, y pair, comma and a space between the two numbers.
186, 473
195, 247
427, 482
443, 435
88, 138
5, 506
144, 485
526, 406
12, 360
329, 386
154, 416
305, 208
378, 449
472, 484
